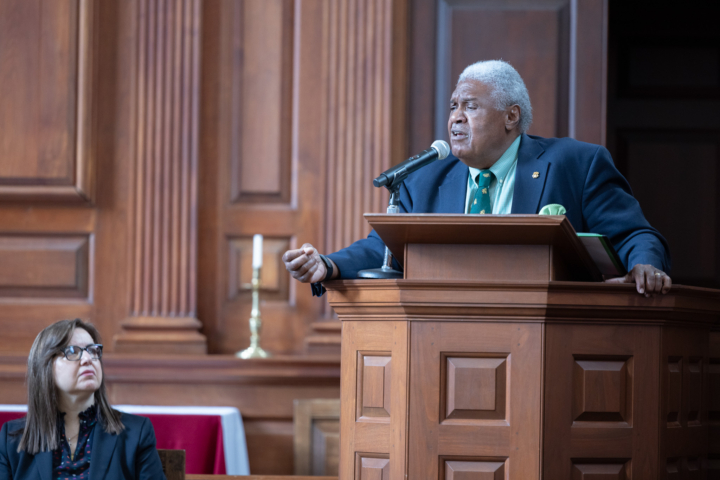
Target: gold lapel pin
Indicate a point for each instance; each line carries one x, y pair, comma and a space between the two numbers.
536, 174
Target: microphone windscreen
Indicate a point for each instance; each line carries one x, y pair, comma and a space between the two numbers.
442, 148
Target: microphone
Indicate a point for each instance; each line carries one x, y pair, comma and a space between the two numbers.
395, 175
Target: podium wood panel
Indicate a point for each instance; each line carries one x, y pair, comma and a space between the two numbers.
513, 375
597, 380
471, 390
373, 397
601, 389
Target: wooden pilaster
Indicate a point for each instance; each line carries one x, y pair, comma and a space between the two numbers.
164, 222
366, 66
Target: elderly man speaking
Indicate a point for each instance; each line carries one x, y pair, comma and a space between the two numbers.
499, 169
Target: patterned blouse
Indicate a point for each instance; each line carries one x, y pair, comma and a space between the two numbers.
76, 465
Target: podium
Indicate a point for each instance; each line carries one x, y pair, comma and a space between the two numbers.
490, 360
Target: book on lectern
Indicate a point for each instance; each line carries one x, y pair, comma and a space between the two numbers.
603, 254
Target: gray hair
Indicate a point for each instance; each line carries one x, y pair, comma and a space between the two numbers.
507, 87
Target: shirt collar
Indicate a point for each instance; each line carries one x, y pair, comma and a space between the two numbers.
87, 417
502, 166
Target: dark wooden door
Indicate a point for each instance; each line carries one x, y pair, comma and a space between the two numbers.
475, 393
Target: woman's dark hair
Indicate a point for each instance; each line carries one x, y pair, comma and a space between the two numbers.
40, 433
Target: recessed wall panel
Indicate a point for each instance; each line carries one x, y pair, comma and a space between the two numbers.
45, 75
531, 35
262, 106
45, 266
274, 279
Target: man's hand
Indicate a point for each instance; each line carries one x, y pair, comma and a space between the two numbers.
647, 279
305, 264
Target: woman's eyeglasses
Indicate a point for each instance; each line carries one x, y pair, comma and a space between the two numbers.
74, 353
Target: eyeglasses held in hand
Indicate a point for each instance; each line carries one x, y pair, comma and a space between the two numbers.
74, 353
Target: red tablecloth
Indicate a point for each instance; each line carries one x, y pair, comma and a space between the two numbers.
201, 437
7, 416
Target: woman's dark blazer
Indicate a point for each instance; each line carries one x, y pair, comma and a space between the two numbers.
131, 454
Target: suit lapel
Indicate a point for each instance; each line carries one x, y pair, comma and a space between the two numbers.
451, 195
530, 177
103, 446
43, 462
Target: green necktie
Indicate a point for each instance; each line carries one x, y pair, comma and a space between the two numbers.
481, 204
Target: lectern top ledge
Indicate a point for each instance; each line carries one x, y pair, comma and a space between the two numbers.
485, 248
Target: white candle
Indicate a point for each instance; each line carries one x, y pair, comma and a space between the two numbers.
257, 251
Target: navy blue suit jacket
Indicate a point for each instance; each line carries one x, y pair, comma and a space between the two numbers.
131, 454
579, 176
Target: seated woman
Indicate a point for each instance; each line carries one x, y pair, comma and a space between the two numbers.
70, 430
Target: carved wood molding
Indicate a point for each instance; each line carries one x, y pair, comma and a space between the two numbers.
205, 370
365, 63
365, 66
164, 254
553, 302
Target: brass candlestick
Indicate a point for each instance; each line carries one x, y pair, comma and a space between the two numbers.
254, 350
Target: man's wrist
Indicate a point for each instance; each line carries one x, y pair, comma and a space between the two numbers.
328, 268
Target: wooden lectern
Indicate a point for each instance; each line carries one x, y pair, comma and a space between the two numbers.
489, 360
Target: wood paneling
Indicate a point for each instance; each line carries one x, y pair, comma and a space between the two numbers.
299, 102
374, 379
253, 477
473, 387
275, 280
139, 98
317, 436
474, 470
684, 406
484, 423
359, 99
499, 262
46, 74
261, 102
246, 97
270, 446
713, 379
530, 33
45, 266
374, 437
602, 390
372, 467
590, 361
47, 155
557, 46
164, 268
173, 463
588, 70
606, 416
613, 469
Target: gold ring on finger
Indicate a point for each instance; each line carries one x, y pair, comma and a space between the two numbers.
659, 274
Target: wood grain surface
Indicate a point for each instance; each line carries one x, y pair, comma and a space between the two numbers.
256, 477
404, 231
523, 380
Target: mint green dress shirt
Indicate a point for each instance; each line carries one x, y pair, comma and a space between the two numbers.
502, 186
